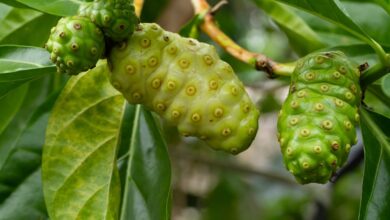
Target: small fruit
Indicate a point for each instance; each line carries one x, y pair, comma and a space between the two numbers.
316, 123
186, 83
116, 18
75, 45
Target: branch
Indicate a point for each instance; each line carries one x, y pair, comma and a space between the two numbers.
138, 4
258, 61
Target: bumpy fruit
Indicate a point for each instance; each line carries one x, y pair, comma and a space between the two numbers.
116, 18
317, 121
186, 83
75, 45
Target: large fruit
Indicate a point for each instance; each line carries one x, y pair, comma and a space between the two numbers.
186, 83
116, 18
317, 121
75, 45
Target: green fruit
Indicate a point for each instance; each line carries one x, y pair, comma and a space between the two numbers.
75, 45
116, 18
317, 122
186, 83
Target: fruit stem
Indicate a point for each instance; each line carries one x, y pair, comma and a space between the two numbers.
373, 74
258, 61
138, 4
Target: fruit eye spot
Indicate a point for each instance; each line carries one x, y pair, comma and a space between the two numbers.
301, 94
195, 117
317, 149
294, 104
324, 88
213, 84
234, 91
305, 165
294, 121
172, 50
175, 114
305, 132
77, 26
289, 151
348, 95
69, 63
153, 61
348, 125
94, 50
339, 103
137, 96
335, 145
130, 69
184, 63
226, 132
160, 107
191, 90
247, 108
156, 83
62, 34
171, 85
310, 76
336, 75
75, 46
319, 107
208, 59
251, 131
218, 112
145, 42
343, 69
327, 124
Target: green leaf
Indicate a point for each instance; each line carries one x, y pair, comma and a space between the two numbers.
302, 38
147, 190
377, 100
35, 95
79, 170
376, 192
19, 65
20, 23
20, 178
54, 7
333, 11
15, 19
11, 104
13, 3
191, 28
385, 4
386, 85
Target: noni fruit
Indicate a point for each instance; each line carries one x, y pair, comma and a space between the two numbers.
317, 122
186, 83
75, 45
116, 18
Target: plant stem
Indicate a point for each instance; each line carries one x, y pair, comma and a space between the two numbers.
138, 4
373, 74
256, 60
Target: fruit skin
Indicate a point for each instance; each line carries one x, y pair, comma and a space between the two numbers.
116, 18
186, 83
75, 45
317, 122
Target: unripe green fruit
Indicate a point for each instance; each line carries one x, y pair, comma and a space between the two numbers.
116, 18
186, 83
317, 122
75, 45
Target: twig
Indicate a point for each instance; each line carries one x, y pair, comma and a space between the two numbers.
138, 4
257, 60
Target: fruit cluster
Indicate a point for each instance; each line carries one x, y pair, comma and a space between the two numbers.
78, 42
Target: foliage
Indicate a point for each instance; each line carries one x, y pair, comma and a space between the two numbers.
106, 159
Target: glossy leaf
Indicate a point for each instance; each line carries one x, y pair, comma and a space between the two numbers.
376, 193
385, 4
55, 7
386, 85
333, 11
20, 23
13, 3
19, 65
11, 104
15, 19
20, 178
35, 95
302, 38
147, 190
80, 175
